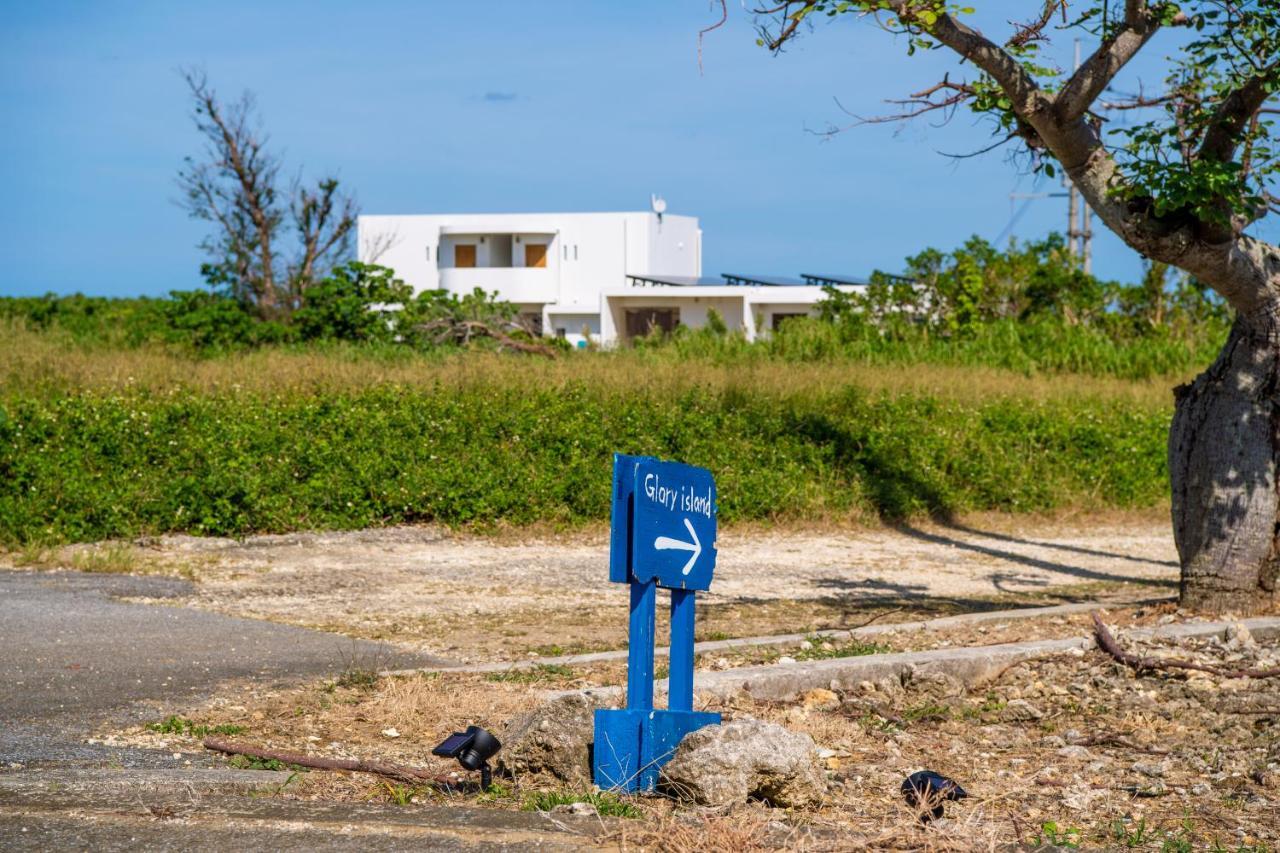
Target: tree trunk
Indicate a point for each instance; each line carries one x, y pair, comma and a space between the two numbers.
1224, 445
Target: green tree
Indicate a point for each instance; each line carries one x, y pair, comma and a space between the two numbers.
1182, 185
357, 302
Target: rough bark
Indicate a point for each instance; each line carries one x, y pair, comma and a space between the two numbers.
1224, 445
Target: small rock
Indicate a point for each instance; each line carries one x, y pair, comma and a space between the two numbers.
1077, 752
786, 659
1239, 637
1148, 768
827, 647
391, 732
721, 664
820, 699
555, 737
866, 687
313, 738
937, 685
744, 759
805, 645
1020, 710
1201, 788
575, 808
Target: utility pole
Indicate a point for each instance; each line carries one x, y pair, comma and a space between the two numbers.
1079, 219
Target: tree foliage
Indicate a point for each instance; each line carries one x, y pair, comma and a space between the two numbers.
959, 292
1181, 179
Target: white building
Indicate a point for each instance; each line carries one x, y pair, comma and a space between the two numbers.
600, 277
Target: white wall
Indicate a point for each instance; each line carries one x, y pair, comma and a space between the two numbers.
574, 325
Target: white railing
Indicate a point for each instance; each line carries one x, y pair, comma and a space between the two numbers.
513, 284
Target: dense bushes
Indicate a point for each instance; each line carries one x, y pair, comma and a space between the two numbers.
357, 303
89, 466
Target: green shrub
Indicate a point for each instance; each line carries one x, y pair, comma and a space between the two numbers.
95, 465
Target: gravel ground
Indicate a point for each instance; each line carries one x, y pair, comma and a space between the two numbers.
1075, 750
473, 598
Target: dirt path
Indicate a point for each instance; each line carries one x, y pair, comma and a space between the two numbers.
473, 598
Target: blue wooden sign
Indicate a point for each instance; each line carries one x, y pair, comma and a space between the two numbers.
663, 535
674, 534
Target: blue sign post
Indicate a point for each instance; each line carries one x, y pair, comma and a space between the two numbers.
663, 535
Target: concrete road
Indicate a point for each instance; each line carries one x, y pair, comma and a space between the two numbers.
74, 655
217, 809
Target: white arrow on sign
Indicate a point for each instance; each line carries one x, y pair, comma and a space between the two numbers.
666, 543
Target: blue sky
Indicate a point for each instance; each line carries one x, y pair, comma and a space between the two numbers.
496, 106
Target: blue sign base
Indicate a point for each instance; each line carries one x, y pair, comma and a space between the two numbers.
631, 746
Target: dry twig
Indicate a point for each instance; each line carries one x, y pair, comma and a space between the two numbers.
1108, 644
400, 773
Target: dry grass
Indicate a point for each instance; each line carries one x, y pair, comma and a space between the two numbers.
111, 558
39, 363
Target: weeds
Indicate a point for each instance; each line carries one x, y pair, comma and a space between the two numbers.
1051, 833
249, 762
357, 678
606, 804
176, 725
401, 795
822, 649
533, 674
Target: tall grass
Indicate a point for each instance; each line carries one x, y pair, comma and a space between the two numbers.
42, 365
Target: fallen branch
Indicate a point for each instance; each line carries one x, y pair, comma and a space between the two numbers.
408, 775
1117, 740
1108, 644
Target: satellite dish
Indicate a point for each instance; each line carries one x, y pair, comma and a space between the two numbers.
659, 205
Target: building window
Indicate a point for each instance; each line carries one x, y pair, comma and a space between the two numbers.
428, 253
560, 332
535, 254
575, 251
644, 321
780, 318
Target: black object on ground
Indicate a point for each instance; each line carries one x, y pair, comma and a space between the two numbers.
473, 749
927, 791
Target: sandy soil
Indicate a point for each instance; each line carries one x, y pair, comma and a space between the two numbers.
472, 598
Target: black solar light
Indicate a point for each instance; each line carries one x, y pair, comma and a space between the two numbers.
473, 749
927, 791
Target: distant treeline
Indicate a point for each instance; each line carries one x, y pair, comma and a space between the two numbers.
1028, 308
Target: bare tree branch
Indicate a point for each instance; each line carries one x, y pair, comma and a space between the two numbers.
1093, 76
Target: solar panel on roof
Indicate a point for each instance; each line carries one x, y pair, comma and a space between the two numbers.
836, 280
673, 281
762, 280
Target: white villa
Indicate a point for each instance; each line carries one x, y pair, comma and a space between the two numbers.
600, 277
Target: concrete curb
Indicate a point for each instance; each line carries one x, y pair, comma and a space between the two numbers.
21, 785
939, 623
971, 665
